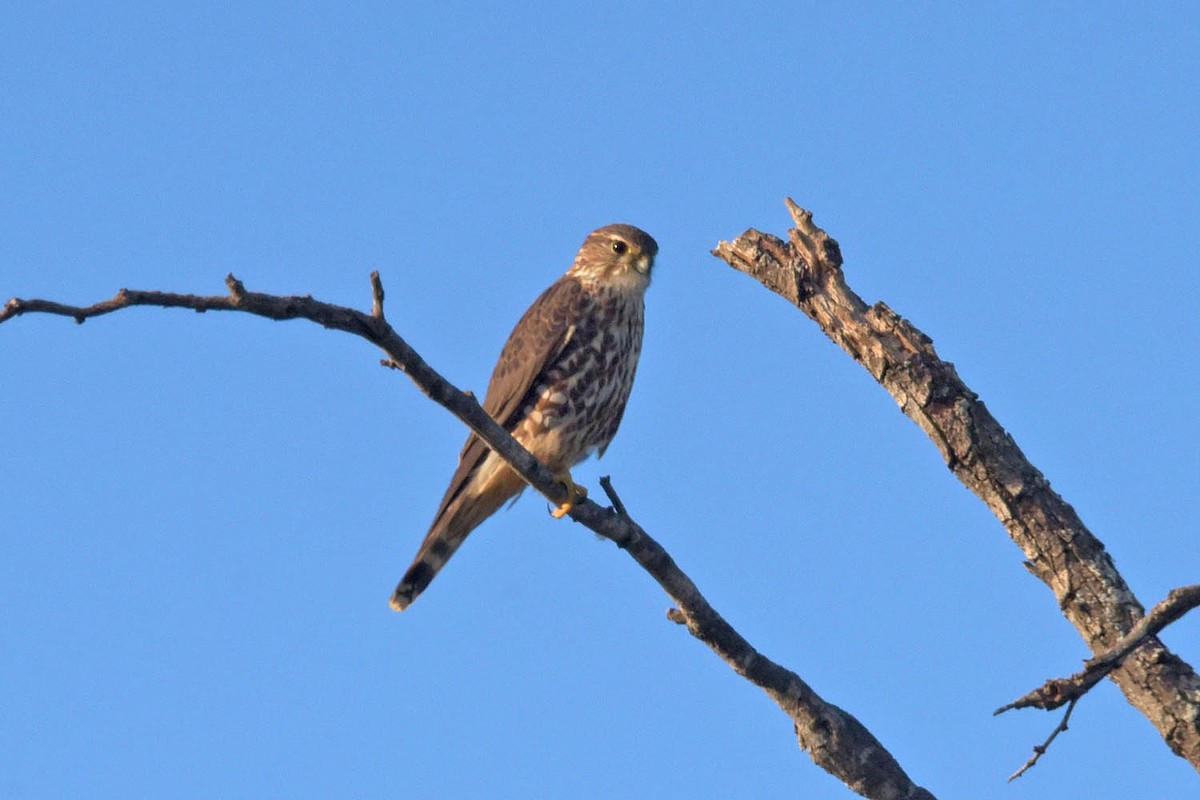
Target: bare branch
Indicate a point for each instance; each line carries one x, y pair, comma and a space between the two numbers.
1039, 750
1056, 691
1059, 549
837, 742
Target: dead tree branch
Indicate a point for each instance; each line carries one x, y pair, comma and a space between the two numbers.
1039, 750
837, 742
1056, 691
1059, 549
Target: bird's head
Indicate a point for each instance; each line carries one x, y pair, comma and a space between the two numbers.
619, 255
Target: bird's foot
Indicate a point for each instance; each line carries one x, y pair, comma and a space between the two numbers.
575, 493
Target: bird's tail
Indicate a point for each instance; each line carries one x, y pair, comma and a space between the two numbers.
457, 519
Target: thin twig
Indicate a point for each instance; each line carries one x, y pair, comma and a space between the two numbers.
613, 497
1056, 691
1040, 749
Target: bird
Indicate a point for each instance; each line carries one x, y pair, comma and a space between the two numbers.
559, 387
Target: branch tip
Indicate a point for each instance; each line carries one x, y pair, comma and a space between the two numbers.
376, 295
801, 216
236, 288
613, 497
1039, 750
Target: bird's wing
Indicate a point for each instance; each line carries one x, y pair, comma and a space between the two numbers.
535, 343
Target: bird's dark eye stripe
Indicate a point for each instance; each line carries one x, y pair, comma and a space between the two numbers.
620, 247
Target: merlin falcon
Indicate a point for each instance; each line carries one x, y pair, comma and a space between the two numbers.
559, 388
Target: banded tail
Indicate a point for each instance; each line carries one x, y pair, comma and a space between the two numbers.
466, 505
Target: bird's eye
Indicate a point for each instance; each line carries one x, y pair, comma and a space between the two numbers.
619, 247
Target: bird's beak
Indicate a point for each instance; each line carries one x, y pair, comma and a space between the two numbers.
643, 264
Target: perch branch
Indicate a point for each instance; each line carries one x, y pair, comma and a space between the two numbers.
837, 742
372, 327
807, 271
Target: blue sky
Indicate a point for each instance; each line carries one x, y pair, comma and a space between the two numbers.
203, 516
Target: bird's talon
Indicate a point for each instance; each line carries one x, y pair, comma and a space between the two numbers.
575, 493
